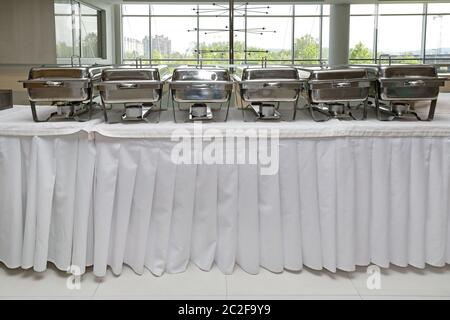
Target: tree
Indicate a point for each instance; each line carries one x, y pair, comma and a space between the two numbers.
90, 46
361, 54
307, 48
63, 50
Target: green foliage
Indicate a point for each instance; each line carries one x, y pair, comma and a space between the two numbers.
360, 51
307, 48
63, 50
90, 46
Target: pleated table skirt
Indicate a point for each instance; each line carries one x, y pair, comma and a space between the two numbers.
334, 203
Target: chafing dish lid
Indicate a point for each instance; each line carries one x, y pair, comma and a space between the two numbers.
206, 74
339, 74
127, 74
270, 73
405, 71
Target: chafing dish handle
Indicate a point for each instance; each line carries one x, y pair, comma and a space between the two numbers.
127, 86
200, 86
272, 85
343, 85
54, 84
415, 83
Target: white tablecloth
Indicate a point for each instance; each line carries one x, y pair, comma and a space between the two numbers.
346, 194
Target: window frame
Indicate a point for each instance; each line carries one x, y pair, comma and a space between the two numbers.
293, 15
423, 50
77, 41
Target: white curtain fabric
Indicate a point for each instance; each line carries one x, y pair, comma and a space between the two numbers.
360, 193
335, 203
46, 188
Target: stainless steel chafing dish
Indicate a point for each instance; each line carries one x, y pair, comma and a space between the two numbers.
264, 88
338, 92
138, 89
70, 88
200, 87
399, 86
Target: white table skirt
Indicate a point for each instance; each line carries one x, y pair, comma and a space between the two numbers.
46, 188
86, 199
336, 203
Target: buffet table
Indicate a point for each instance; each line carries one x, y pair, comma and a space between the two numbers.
346, 193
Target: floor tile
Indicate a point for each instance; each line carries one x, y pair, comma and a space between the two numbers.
51, 283
307, 282
404, 298
193, 282
299, 297
162, 297
397, 281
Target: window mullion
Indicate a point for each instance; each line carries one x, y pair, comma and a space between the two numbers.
293, 35
150, 47
375, 34
424, 31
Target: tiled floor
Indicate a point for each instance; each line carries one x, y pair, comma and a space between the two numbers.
396, 283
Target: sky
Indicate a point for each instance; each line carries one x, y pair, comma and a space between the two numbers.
395, 33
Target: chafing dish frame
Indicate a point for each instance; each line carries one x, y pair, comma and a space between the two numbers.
224, 85
146, 105
86, 102
320, 105
257, 103
381, 98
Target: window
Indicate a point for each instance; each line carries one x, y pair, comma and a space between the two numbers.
362, 35
402, 33
311, 34
78, 30
190, 33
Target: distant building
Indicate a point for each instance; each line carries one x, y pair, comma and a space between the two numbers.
159, 43
133, 47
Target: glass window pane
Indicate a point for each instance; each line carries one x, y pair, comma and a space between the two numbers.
179, 36
135, 9
239, 39
361, 38
269, 9
272, 34
438, 37
326, 9
307, 10
136, 37
89, 37
400, 8
216, 9
214, 38
64, 41
439, 8
325, 37
85, 10
307, 39
362, 9
76, 31
400, 35
63, 7
173, 9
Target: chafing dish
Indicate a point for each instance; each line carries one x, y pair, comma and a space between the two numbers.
338, 92
264, 88
71, 89
399, 86
138, 89
200, 87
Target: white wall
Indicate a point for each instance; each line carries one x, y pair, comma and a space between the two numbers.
27, 39
108, 7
